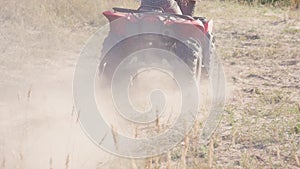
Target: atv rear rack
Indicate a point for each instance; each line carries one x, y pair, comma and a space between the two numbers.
157, 11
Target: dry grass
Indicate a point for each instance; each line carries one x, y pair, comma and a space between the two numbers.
58, 12
259, 47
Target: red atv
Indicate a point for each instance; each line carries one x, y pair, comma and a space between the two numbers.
189, 38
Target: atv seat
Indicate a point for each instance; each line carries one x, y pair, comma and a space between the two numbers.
125, 10
152, 9
142, 9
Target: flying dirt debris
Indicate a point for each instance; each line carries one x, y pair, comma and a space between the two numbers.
150, 43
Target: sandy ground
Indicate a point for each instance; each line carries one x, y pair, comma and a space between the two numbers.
38, 124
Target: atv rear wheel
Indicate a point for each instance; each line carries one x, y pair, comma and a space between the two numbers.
208, 52
190, 52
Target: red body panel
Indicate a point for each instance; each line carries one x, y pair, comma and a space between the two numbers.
183, 26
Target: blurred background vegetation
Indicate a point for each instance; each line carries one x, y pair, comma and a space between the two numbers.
78, 12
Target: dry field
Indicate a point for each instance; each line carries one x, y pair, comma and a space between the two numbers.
40, 41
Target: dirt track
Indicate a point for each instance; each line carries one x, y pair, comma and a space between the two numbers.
260, 52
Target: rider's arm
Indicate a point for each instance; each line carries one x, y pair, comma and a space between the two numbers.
187, 6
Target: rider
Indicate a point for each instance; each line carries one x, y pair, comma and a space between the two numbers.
185, 7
